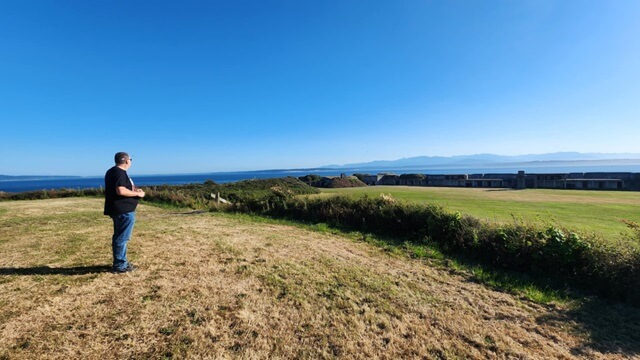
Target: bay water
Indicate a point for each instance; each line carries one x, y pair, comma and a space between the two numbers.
43, 183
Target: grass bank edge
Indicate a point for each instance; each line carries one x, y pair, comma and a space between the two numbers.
539, 291
584, 261
596, 211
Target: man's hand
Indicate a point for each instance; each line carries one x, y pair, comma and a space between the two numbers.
123, 191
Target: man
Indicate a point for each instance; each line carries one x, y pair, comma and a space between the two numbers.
121, 199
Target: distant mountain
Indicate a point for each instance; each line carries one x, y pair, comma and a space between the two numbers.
495, 160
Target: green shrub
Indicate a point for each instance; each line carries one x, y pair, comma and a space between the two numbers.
564, 256
310, 179
50, 194
247, 196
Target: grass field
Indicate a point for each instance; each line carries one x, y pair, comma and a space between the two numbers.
588, 211
222, 286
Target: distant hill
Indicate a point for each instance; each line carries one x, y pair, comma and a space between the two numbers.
559, 158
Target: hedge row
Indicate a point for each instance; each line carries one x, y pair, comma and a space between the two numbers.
247, 191
584, 261
50, 194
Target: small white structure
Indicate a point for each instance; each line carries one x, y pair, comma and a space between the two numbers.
218, 199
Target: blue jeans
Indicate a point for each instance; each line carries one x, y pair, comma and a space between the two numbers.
122, 229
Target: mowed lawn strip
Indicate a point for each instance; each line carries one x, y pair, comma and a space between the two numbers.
224, 286
586, 211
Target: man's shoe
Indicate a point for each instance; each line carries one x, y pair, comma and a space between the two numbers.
126, 269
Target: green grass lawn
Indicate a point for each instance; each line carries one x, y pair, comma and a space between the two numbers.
584, 211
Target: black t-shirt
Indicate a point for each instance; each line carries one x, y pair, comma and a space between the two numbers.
115, 204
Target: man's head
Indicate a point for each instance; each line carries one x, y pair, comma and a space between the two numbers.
122, 159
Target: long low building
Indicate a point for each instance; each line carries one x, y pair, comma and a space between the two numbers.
521, 180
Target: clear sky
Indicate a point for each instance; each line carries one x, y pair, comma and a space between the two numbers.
204, 86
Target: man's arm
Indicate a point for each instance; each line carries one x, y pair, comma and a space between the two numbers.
123, 191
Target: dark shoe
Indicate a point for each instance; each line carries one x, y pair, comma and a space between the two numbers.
128, 268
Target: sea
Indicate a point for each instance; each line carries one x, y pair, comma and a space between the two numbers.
77, 183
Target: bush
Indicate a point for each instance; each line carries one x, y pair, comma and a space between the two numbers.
248, 195
310, 179
332, 181
50, 194
584, 261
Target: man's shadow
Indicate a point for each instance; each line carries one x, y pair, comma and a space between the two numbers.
46, 270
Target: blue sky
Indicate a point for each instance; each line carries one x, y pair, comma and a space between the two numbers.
203, 86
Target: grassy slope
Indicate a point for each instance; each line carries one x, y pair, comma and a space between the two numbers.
598, 211
223, 286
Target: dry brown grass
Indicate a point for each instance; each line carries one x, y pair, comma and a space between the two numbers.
219, 286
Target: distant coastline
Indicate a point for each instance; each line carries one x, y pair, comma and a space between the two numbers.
36, 177
483, 160
33, 183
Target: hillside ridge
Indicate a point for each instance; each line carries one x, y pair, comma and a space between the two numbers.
565, 158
